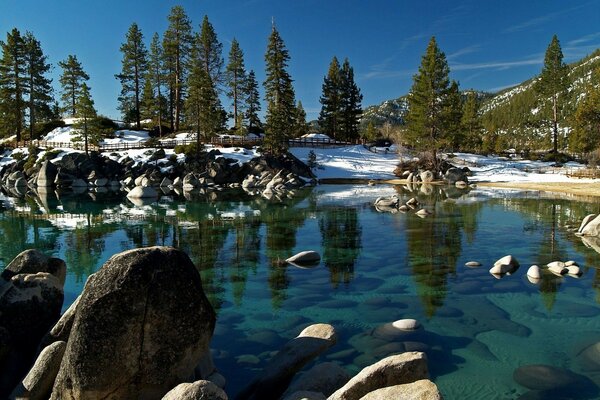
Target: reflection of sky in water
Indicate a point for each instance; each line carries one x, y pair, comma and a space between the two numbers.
376, 268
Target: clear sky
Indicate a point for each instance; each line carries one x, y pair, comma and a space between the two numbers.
489, 44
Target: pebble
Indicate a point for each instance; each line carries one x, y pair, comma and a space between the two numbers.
534, 272
473, 264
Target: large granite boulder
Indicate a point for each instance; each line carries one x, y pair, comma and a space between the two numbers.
323, 378
454, 175
37, 385
295, 354
394, 370
590, 226
46, 175
422, 389
33, 261
199, 390
142, 324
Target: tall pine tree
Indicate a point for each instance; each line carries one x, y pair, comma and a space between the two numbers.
351, 98
155, 78
134, 66
427, 100
38, 85
86, 113
177, 43
279, 95
471, 123
235, 75
12, 83
585, 136
209, 52
453, 135
252, 104
330, 115
71, 81
300, 124
553, 84
203, 107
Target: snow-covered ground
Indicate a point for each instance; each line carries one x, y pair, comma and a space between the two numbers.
347, 162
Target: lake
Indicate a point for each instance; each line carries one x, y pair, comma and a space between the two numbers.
480, 333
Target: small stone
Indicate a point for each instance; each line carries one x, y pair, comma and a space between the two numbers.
305, 257
573, 270
423, 213
570, 263
407, 324
473, 264
534, 272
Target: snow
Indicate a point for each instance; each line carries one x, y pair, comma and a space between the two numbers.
63, 134
316, 136
127, 136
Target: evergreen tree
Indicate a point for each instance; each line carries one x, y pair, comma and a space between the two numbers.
203, 107
235, 74
553, 84
155, 107
252, 105
585, 136
330, 115
12, 83
71, 82
471, 123
85, 111
453, 115
133, 71
370, 132
351, 99
177, 43
209, 52
279, 95
427, 100
38, 85
300, 124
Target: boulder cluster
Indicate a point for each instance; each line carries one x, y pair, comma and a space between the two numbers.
141, 329
78, 172
393, 205
422, 171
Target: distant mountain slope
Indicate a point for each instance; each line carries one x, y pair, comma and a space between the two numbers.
392, 111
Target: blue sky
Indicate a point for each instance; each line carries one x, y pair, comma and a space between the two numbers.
489, 44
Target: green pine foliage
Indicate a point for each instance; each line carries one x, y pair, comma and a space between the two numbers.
330, 115
351, 98
38, 84
235, 78
154, 104
12, 84
279, 95
252, 105
208, 51
585, 137
454, 134
471, 123
552, 86
177, 45
300, 125
428, 98
86, 130
71, 81
133, 71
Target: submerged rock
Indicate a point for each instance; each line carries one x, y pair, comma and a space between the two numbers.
323, 378
305, 257
422, 389
505, 265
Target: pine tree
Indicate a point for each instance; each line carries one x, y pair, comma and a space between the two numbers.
300, 124
235, 75
202, 106
453, 136
427, 99
553, 84
252, 105
177, 43
209, 52
133, 71
71, 82
370, 132
279, 95
351, 99
39, 86
330, 115
155, 107
12, 83
585, 136
85, 111
471, 123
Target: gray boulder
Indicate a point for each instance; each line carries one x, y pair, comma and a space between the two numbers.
394, 370
295, 354
323, 378
422, 389
585, 221
507, 264
591, 228
142, 192
46, 175
454, 175
33, 261
426, 176
141, 326
38, 383
199, 390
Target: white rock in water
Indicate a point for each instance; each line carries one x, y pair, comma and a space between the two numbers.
142, 192
473, 264
407, 324
557, 268
570, 263
573, 270
504, 265
534, 272
423, 213
305, 257
585, 221
556, 264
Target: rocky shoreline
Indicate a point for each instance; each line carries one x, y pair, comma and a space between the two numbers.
141, 329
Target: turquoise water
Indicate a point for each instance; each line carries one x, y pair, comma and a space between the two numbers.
376, 268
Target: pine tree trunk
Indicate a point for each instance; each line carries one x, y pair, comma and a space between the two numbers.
177, 88
137, 97
555, 124
85, 136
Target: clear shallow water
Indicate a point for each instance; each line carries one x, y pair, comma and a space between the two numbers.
376, 268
